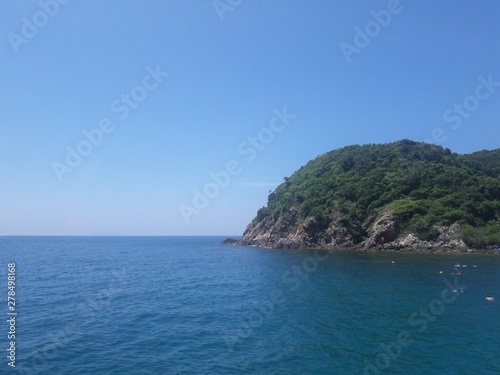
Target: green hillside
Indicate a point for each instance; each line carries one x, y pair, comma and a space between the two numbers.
423, 185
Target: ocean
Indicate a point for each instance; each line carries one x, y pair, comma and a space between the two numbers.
189, 305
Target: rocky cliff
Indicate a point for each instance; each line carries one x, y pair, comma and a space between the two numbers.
404, 196
382, 235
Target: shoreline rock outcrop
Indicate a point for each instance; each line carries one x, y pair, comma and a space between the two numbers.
400, 196
382, 236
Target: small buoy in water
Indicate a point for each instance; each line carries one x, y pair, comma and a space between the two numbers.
393, 262
440, 271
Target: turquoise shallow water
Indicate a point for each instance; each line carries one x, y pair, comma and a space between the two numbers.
188, 305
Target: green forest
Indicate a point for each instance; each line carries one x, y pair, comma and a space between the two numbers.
423, 185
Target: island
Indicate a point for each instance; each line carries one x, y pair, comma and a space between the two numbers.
400, 196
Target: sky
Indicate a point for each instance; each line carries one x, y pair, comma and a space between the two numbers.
179, 117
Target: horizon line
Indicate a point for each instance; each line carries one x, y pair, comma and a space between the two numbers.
118, 235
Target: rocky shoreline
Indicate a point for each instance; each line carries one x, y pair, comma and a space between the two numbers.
427, 247
382, 235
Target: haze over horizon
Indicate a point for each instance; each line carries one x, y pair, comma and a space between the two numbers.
116, 116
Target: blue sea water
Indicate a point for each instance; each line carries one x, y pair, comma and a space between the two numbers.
188, 305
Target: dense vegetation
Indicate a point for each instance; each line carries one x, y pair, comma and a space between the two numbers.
423, 185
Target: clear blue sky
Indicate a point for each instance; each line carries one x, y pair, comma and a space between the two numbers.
228, 70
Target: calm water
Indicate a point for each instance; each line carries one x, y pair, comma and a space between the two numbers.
188, 305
